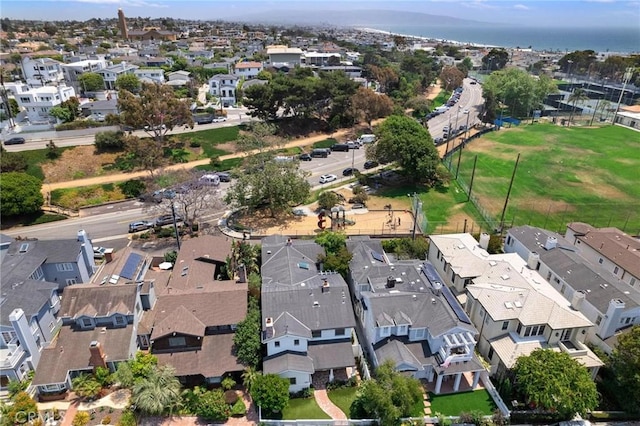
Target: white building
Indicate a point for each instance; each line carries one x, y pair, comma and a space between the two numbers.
320, 58
111, 74
37, 102
41, 71
247, 70
224, 86
73, 70
150, 75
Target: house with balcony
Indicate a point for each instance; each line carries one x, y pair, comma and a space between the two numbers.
247, 70
224, 87
192, 324
409, 317
320, 59
110, 74
513, 307
42, 71
150, 75
73, 70
282, 56
307, 316
585, 276
36, 102
99, 323
178, 78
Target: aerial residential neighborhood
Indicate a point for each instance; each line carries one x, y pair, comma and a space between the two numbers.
249, 221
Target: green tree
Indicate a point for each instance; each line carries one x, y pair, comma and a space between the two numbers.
554, 381
91, 82
249, 377
261, 101
61, 113
403, 140
327, 199
86, 386
452, 77
407, 248
132, 188
243, 253
20, 194
109, 140
246, 340
368, 105
332, 242
212, 406
129, 82
156, 109
518, 90
12, 161
626, 367
157, 393
22, 408
103, 376
577, 96
144, 153
270, 392
496, 59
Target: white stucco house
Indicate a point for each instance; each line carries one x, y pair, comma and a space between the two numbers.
224, 87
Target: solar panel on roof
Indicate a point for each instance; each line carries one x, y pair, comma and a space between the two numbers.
130, 266
377, 256
453, 302
430, 272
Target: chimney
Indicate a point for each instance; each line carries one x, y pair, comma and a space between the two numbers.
391, 282
484, 240
98, 357
437, 288
533, 260
577, 299
551, 243
325, 286
108, 255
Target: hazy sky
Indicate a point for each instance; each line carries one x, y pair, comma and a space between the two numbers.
619, 13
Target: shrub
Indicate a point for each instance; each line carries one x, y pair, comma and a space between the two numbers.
13, 162
82, 124
106, 420
109, 141
128, 418
81, 419
238, 409
195, 144
132, 188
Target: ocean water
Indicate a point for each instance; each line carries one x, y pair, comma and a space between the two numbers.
548, 38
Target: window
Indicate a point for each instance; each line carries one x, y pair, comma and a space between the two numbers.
598, 320
438, 255
509, 240
600, 261
71, 281
292, 380
86, 322
566, 334
615, 270
632, 282
296, 342
385, 331
38, 274
316, 333
276, 344
467, 281
64, 267
177, 341
627, 320
562, 288
8, 336
340, 331
505, 325
120, 320
535, 330
490, 354
519, 328
557, 280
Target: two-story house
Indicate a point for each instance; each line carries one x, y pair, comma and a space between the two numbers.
193, 323
247, 70
307, 316
37, 102
99, 330
608, 301
73, 70
41, 71
515, 310
110, 74
224, 86
280, 56
150, 75
407, 316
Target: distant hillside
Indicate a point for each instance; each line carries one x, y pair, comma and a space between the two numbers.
358, 18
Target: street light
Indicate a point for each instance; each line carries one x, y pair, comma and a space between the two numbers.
466, 127
627, 77
416, 205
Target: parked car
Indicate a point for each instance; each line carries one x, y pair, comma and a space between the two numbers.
14, 141
320, 153
224, 176
203, 119
150, 128
166, 219
98, 252
370, 164
141, 225
366, 138
210, 179
305, 157
357, 206
349, 171
219, 119
340, 147
328, 178
353, 145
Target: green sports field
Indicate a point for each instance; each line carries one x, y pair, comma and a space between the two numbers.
564, 174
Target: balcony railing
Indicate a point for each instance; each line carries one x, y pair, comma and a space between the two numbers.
573, 348
11, 356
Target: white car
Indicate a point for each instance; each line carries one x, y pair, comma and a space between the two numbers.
328, 178
219, 120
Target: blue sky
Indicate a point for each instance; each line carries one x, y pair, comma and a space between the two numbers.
621, 13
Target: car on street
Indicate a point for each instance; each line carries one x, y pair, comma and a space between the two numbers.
140, 225
14, 141
370, 164
166, 219
305, 157
219, 119
357, 206
328, 178
353, 145
349, 171
98, 252
151, 128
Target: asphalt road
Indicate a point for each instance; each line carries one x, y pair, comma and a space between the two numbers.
470, 99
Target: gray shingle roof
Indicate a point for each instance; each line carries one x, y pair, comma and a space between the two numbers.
327, 355
28, 295
287, 324
98, 301
288, 362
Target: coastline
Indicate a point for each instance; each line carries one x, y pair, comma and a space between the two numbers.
431, 39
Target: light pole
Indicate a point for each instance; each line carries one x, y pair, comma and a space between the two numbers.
466, 127
415, 206
627, 77
570, 62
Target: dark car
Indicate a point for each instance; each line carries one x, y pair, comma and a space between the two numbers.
349, 171
340, 147
305, 157
224, 177
370, 164
14, 141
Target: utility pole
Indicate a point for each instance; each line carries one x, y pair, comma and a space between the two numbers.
473, 174
506, 201
627, 76
175, 224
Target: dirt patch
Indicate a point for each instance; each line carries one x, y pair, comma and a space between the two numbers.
545, 205
77, 163
604, 190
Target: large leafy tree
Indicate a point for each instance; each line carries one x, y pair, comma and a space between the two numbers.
626, 367
91, 82
554, 381
144, 153
388, 397
404, 141
247, 341
156, 109
368, 105
129, 82
21, 410
270, 392
86, 386
20, 194
261, 101
577, 61
452, 77
157, 393
518, 90
496, 59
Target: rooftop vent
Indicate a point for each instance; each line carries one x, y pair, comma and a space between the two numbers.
24, 247
268, 322
433, 300
316, 304
325, 286
391, 282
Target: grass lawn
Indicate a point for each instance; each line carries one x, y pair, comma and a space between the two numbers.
223, 165
34, 158
303, 408
210, 138
343, 398
454, 404
564, 174
72, 198
326, 143
441, 99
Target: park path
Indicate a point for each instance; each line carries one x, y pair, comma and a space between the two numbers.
120, 177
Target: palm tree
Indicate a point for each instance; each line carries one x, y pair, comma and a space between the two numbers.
158, 392
86, 386
249, 377
578, 95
